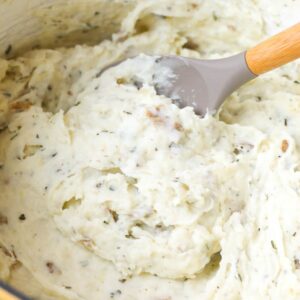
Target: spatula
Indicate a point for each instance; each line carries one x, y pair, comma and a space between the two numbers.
204, 84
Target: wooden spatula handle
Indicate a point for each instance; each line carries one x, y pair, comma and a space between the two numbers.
275, 51
5, 295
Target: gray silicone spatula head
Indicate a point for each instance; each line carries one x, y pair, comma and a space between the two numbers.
204, 84
201, 84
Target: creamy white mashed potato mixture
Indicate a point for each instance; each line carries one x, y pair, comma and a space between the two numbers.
110, 191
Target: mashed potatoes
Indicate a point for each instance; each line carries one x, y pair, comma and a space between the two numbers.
110, 191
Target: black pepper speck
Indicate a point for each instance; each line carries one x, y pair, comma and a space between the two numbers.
22, 217
8, 49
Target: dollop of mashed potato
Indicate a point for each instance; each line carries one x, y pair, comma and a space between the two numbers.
110, 191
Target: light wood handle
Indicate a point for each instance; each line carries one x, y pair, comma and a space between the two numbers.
275, 51
5, 295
